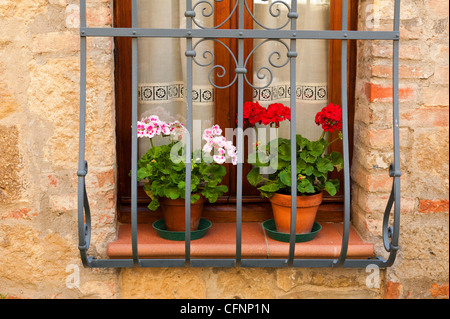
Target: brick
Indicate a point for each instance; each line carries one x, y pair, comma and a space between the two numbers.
425, 117
405, 72
380, 93
372, 182
435, 96
105, 178
24, 213
434, 206
441, 75
392, 290
439, 291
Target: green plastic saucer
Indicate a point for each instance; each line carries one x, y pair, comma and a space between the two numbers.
271, 230
162, 231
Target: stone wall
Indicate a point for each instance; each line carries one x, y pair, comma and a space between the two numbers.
424, 137
39, 99
39, 119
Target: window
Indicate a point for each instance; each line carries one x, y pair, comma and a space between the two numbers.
164, 87
266, 258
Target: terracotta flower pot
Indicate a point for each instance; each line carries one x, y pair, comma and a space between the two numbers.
174, 210
307, 207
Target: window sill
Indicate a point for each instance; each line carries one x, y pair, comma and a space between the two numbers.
220, 242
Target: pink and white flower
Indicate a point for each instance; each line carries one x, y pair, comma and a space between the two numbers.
219, 159
152, 126
222, 148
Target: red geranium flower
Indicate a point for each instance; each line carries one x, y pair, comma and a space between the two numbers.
255, 113
330, 118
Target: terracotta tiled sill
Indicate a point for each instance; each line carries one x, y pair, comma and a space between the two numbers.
220, 242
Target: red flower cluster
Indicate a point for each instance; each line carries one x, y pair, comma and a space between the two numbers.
330, 118
255, 113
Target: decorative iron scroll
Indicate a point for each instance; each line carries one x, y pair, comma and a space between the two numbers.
208, 11
276, 14
217, 70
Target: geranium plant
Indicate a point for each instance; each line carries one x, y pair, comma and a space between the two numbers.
313, 163
165, 177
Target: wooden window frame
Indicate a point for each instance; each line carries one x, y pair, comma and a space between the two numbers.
254, 207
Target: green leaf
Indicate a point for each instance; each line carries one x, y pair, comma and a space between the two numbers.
305, 186
254, 177
258, 159
307, 157
284, 152
172, 192
336, 159
301, 165
194, 198
330, 187
285, 177
222, 189
301, 141
316, 148
270, 187
280, 164
157, 151
324, 165
309, 170
142, 173
154, 205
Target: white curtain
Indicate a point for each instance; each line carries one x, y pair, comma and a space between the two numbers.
162, 68
312, 63
162, 65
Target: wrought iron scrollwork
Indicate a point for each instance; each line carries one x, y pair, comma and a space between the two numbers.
208, 11
217, 70
265, 69
391, 233
275, 59
275, 14
84, 217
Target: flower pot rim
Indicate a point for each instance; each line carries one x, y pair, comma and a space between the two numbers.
181, 201
302, 196
302, 201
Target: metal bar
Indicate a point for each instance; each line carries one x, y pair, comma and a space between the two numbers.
395, 169
396, 114
111, 263
293, 103
345, 151
240, 136
189, 56
213, 263
163, 263
83, 204
241, 34
134, 145
227, 263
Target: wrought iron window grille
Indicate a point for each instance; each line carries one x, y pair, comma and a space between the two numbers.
390, 233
